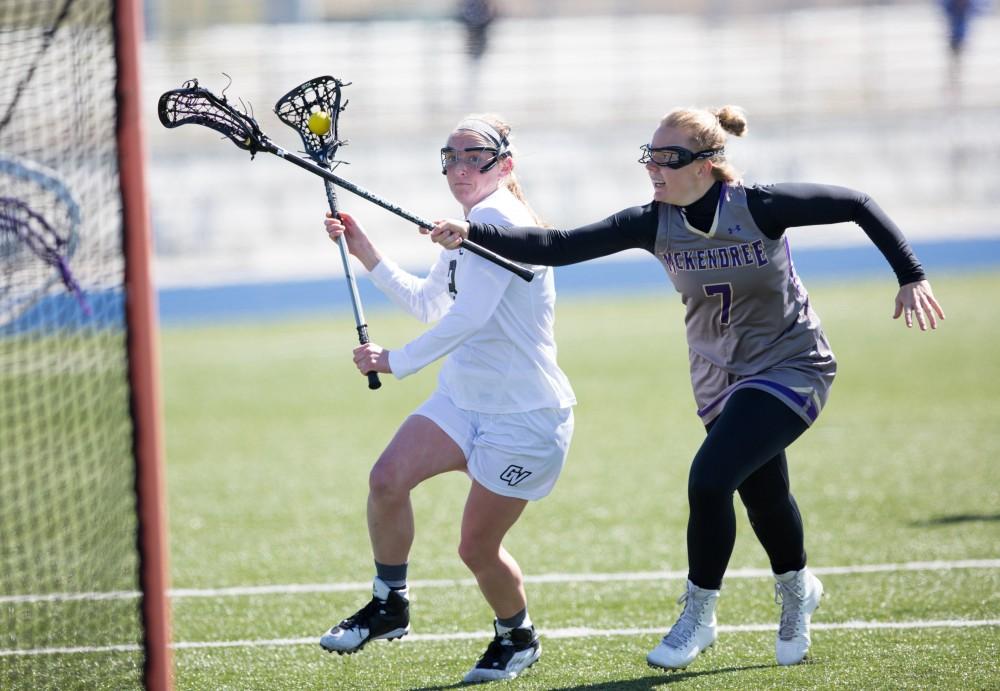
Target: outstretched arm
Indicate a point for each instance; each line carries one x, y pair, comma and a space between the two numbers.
627, 229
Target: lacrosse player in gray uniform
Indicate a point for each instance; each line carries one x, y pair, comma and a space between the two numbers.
736, 281
761, 367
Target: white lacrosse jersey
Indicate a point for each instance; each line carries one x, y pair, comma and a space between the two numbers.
495, 328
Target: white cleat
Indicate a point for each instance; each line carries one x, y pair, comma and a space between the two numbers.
798, 593
695, 630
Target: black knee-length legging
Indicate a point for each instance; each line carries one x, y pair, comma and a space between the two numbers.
744, 451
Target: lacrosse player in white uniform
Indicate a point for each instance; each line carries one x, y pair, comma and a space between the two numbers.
502, 411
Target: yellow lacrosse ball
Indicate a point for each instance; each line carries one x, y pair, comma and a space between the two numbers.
319, 122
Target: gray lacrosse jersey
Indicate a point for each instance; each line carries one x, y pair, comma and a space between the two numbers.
748, 319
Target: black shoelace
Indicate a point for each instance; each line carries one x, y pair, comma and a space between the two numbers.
362, 616
494, 651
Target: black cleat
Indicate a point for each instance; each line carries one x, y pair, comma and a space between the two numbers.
507, 655
387, 617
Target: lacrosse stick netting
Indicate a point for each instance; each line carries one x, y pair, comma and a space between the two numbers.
322, 97
39, 232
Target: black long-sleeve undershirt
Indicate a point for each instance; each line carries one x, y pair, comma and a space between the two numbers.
774, 208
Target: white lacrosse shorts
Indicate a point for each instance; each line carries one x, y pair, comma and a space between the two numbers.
511, 454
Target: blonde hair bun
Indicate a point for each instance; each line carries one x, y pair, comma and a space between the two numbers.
732, 119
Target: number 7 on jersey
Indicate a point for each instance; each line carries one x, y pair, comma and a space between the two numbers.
725, 293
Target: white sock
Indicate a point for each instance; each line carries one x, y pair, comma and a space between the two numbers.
525, 624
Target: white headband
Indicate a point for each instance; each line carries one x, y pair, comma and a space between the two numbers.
485, 129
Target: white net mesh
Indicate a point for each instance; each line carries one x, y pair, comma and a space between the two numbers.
68, 560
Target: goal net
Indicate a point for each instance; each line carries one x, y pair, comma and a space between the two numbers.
73, 610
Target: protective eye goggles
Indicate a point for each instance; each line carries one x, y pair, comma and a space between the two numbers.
482, 158
674, 156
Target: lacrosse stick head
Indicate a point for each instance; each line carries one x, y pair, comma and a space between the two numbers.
319, 95
39, 231
23, 227
193, 104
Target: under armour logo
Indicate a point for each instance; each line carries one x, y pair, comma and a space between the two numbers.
514, 474
735, 230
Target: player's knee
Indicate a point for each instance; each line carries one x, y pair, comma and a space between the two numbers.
777, 507
475, 553
704, 488
385, 481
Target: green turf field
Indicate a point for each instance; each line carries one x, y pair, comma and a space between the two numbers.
271, 432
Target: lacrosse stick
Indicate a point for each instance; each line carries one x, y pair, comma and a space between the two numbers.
197, 105
43, 219
318, 101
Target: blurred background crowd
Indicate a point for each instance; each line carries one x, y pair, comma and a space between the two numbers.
897, 98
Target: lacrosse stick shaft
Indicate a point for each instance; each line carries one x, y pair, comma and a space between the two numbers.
516, 269
352, 286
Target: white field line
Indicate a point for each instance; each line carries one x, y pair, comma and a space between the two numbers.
287, 589
572, 632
